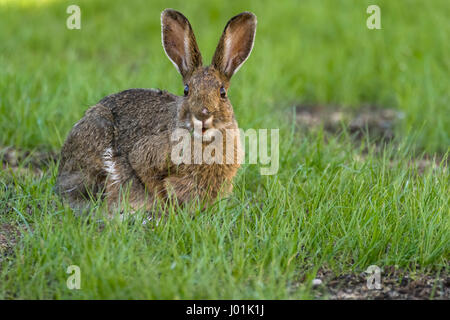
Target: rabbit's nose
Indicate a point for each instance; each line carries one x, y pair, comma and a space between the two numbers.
202, 114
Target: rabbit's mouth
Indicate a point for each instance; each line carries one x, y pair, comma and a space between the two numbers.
201, 126
203, 130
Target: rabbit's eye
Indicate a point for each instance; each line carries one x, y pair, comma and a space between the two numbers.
223, 92
186, 90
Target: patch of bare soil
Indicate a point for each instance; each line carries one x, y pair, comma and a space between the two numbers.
395, 285
25, 160
376, 123
9, 235
379, 123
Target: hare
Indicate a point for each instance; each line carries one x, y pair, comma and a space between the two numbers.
125, 140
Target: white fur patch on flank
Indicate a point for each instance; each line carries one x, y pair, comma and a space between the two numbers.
110, 166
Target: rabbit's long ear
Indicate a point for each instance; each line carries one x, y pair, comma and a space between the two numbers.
179, 42
235, 44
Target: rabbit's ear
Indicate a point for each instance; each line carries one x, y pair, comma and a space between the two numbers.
179, 42
235, 44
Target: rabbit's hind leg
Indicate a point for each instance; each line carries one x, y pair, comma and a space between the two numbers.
81, 173
122, 187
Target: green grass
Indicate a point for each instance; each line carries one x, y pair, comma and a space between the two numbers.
330, 205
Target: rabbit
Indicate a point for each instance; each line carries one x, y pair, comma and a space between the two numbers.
124, 141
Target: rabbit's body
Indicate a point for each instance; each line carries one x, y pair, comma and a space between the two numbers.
130, 134
125, 140
98, 146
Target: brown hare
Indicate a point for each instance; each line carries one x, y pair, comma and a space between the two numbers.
124, 141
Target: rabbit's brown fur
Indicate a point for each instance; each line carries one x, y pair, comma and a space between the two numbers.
124, 141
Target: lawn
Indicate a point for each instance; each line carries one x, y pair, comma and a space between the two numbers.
337, 204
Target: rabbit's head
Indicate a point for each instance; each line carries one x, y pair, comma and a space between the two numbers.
205, 101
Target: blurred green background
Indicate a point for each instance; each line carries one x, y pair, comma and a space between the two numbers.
305, 52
